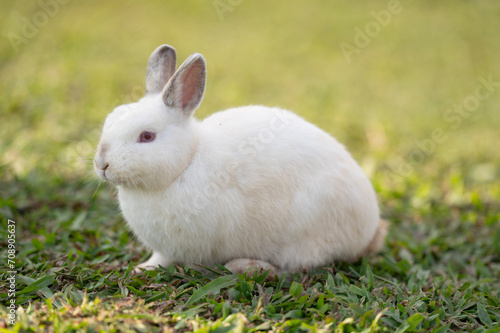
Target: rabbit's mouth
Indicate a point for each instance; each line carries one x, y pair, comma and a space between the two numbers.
102, 174
102, 171
116, 180
111, 177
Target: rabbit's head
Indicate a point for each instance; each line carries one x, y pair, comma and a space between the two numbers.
149, 143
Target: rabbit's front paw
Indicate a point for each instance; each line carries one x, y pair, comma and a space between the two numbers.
250, 266
156, 260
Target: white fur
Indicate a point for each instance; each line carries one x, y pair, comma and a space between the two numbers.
251, 182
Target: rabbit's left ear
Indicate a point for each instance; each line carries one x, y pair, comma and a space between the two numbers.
185, 89
161, 67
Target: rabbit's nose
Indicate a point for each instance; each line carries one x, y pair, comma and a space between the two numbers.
101, 167
100, 164
100, 159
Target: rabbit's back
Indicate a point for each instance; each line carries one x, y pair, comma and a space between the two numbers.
288, 192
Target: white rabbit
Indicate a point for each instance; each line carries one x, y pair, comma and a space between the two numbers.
249, 187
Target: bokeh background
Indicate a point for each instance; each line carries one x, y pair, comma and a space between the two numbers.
64, 65
395, 81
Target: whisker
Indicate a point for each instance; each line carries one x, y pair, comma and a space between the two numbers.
94, 196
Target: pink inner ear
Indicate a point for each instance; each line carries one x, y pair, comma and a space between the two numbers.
191, 84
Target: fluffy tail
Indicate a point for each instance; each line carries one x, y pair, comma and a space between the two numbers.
379, 239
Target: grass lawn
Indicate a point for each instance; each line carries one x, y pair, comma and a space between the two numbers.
412, 88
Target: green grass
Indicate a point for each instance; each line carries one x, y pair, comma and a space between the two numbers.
440, 268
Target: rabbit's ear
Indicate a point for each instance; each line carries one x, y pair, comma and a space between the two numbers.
185, 89
161, 67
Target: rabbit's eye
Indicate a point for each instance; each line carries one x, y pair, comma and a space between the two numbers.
147, 136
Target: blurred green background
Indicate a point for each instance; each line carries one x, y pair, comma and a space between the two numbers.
65, 65
395, 81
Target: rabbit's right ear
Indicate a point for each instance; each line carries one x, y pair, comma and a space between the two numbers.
161, 67
185, 89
